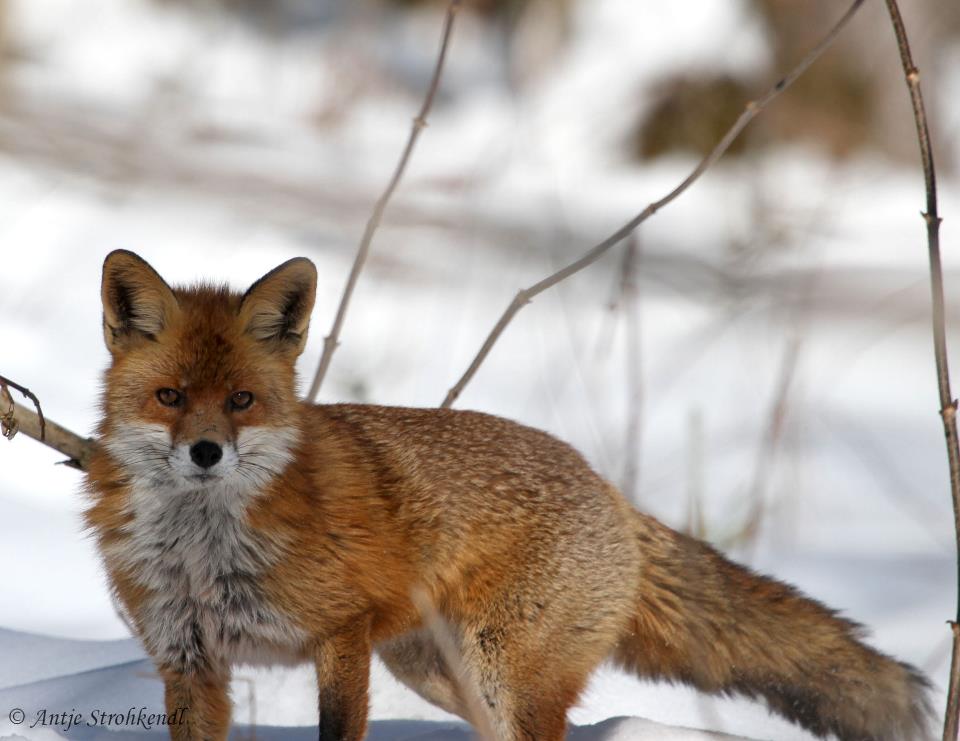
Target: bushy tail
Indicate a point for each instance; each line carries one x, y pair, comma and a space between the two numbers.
710, 623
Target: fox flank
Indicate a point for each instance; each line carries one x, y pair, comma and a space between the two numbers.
240, 524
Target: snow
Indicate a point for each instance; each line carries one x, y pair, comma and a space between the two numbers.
235, 175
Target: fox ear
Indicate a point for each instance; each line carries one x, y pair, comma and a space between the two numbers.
137, 303
276, 309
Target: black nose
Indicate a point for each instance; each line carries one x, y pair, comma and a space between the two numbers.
205, 453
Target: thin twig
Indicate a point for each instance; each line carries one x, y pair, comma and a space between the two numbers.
751, 110
4, 382
630, 291
948, 405
331, 341
950, 721
696, 525
77, 449
769, 446
470, 693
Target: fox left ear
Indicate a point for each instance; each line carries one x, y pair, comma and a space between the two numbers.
276, 309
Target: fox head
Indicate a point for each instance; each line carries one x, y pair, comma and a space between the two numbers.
201, 391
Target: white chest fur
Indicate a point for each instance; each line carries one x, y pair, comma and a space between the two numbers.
202, 564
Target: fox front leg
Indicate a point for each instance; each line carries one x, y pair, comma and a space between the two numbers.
197, 705
343, 678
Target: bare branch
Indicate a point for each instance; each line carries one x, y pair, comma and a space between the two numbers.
948, 405
442, 635
4, 382
331, 341
77, 449
752, 109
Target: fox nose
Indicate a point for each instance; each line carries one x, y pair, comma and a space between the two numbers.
205, 453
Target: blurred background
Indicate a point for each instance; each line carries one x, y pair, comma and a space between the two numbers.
755, 367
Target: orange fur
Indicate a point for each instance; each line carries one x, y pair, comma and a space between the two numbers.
305, 534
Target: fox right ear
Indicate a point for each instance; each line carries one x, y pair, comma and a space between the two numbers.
137, 303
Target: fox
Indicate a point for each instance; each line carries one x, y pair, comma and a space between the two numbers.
238, 523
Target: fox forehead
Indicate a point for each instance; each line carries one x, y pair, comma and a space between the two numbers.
205, 347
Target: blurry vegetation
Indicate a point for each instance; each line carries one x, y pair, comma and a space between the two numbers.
4, 33
8, 50
691, 114
832, 105
504, 9
293, 13
527, 34
841, 105
835, 104
272, 16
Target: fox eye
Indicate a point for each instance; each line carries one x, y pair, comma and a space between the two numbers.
169, 397
241, 400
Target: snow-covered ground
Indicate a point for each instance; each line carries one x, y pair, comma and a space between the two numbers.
216, 153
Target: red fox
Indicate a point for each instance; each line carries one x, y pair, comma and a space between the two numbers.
240, 524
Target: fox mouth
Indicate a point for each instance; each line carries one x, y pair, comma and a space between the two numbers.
203, 477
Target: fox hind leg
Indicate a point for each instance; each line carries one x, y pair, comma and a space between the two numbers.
525, 690
414, 659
